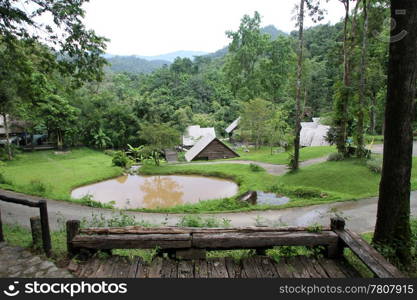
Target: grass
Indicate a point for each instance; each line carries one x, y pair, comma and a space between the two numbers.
264, 154
53, 176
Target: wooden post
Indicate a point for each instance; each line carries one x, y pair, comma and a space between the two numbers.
1, 230
36, 228
335, 251
46, 234
337, 223
73, 228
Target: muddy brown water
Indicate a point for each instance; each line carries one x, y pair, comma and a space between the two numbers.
136, 191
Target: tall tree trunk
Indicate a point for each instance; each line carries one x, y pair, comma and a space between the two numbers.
295, 163
6, 131
373, 114
342, 107
393, 218
360, 150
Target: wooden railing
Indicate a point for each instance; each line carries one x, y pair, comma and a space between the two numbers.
191, 243
39, 225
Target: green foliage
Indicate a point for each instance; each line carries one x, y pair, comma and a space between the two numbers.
375, 165
335, 157
119, 219
37, 187
101, 140
198, 221
120, 159
255, 168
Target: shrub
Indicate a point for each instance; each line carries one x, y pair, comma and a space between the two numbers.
307, 193
120, 159
375, 165
109, 152
197, 221
255, 168
37, 187
2, 179
335, 157
117, 220
88, 201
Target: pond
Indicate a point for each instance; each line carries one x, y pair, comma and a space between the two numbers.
136, 191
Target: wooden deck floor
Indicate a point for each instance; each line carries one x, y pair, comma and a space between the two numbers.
252, 267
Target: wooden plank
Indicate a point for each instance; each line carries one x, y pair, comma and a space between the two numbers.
133, 267
22, 199
368, 255
319, 269
142, 270
169, 268
121, 268
261, 239
104, 269
132, 241
200, 269
298, 268
331, 268
265, 265
216, 269
178, 230
283, 270
347, 269
232, 267
155, 269
185, 269
89, 268
308, 262
250, 268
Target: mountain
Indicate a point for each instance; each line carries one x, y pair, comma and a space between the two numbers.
270, 29
133, 64
173, 55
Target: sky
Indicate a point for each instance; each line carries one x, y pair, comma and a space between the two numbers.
152, 27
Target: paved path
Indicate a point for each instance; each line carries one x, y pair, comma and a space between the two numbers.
19, 262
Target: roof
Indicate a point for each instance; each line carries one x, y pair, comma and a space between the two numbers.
233, 126
201, 145
194, 133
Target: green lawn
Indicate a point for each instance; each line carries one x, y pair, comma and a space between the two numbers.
54, 176
264, 154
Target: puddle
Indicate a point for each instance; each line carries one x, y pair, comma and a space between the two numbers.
271, 199
136, 191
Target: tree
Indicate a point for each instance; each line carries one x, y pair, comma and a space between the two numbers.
392, 229
101, 140
254, 120
247, 47
360, 144
159, 137
278, 130
80, 49
313, 8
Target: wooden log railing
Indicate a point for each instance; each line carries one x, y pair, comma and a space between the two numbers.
191, 243
376, 263
34, 202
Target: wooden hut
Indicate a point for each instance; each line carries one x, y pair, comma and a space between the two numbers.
209, 147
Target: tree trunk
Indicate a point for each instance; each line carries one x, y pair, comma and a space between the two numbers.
343, 105
373, 114
393, 218
295, 162
59, 141
360, 150
6, 131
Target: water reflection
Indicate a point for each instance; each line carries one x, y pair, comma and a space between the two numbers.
161, 192
134, 191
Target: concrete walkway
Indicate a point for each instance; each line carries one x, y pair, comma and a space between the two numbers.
18, 262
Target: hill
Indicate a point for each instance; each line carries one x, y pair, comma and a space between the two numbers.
133, 64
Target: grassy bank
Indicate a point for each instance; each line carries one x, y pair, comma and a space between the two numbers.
53, 176
264, 154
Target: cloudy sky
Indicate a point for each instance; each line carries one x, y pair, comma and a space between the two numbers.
151, 27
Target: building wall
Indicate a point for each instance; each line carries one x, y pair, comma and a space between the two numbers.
215, 150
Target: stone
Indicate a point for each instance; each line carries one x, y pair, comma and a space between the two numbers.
249, 197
